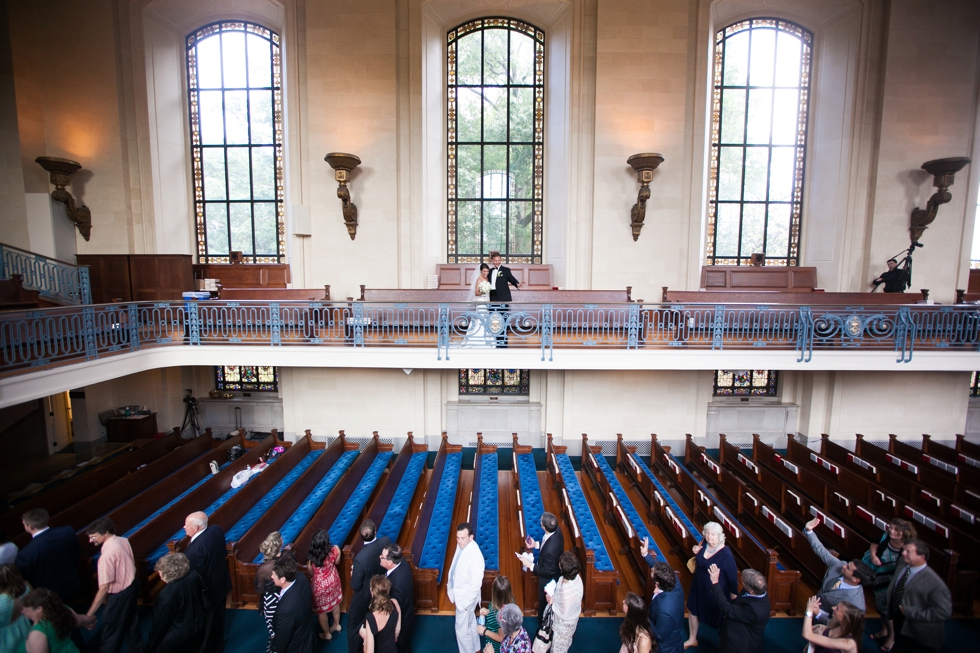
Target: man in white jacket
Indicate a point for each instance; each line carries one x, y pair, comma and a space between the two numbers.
465, 584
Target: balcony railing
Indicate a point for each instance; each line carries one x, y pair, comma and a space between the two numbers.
32, 339
53, 279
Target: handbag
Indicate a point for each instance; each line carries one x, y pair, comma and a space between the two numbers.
542, 640
692, 564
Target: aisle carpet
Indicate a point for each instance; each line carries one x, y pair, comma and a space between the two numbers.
245, 632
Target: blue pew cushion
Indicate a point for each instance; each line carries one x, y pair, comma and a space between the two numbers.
487, 526
583, 514
237, 531
627, 505
304, 513
434, 549
180, 496
394, 517
531, 503
342, 525
675, 508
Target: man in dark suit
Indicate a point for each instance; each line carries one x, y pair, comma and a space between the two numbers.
209, 558
744, 620
50, 559
666, 604
918, 601
402, 590
292, 625
551, 546
367, 564
500, 281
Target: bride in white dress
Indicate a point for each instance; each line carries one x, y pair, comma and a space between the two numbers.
476, 336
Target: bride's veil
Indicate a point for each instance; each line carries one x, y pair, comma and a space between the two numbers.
477, 277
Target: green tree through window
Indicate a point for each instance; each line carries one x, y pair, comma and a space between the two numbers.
495, 140
235, 100
758, 142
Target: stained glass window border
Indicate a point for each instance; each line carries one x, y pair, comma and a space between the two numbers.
222, 383
768, 388
975, 384
796, 202
537, 198
197, 147
471, 389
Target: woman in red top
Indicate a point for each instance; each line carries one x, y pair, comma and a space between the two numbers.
327, 593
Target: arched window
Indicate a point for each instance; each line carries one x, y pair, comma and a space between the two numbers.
495, 119
758, 142
234, 89
975, 253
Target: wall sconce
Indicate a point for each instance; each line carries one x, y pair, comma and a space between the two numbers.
61, 171
342, 165
644, 164
943, 171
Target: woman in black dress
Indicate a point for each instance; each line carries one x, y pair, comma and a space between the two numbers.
178, 617
384, 621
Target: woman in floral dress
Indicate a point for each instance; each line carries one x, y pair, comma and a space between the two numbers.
327, 593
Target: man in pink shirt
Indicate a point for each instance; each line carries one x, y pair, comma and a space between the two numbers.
117, 581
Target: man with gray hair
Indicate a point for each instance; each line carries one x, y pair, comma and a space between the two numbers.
209, 558
743, 624
551, 546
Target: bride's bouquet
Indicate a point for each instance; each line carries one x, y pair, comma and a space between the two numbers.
484, 287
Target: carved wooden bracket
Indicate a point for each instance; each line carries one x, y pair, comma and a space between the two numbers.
644, 164
343, 164
61, 171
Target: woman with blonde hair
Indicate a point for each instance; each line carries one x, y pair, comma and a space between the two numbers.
383, 623
271, 549
842, 632
701, 604
501, 594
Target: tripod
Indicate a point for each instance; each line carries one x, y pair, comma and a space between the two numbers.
190, 417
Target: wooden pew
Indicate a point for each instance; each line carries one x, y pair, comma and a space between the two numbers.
136, 511
484, 515
530, 508
755, 509
660, 504
705, 507
600, 584
963, 445
161, 530
238, 275
142, 492
460, 275
851, 510
427, 579
244, 551
342, 502
937, 469
928, 507
631, 531
275, 294
64, 495
789, 298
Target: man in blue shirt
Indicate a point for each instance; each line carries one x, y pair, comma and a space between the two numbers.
666, 605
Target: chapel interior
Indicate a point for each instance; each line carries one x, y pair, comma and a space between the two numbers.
349, 154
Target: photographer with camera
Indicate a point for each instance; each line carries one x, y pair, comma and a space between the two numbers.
895, 279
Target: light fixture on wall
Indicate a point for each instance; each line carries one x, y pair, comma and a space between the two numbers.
342, 165
943, 171
61, 171
644, 164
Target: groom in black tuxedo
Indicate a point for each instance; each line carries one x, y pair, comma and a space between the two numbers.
500, 281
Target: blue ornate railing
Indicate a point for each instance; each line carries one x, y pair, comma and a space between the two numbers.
31, 339
53, 279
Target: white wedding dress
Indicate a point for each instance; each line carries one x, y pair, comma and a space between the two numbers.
476, 335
